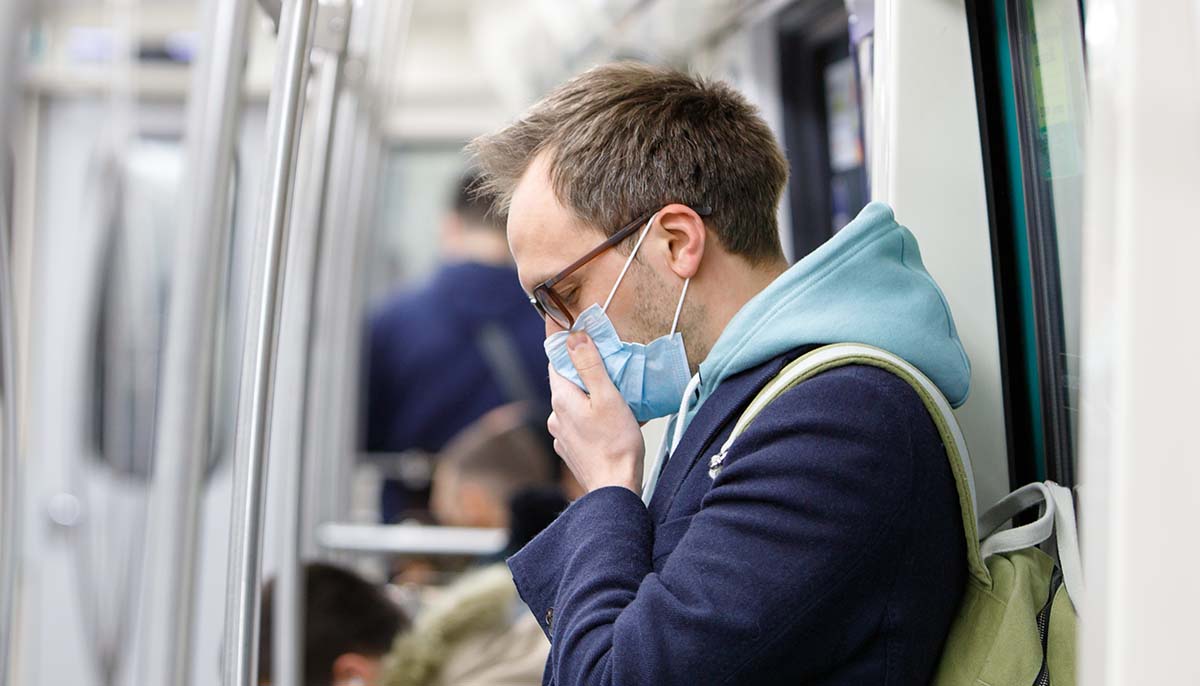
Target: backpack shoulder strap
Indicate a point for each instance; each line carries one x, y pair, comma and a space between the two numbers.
842, 354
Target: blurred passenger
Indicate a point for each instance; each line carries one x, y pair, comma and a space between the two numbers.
481, 470
349, 624
442, 355
825, 544
478, 631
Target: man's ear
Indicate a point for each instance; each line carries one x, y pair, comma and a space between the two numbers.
686, 236
355, 669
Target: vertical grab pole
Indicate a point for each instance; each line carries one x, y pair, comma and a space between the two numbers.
258, 363
12, 16
329, 44
10, 464
10, 468
184, 424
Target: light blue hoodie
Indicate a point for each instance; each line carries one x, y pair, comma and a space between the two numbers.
865, 285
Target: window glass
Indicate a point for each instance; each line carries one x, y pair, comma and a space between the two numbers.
416, 185
136, 196
1052, 112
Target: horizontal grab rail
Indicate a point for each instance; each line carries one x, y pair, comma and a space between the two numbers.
416, 539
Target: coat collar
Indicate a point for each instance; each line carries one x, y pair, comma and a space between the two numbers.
721, 408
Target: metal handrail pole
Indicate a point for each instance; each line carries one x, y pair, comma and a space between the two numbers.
273, 9
385, 41
10, 467
337, 369
321, 484
12, 17
289, 608
258, 364
183, 434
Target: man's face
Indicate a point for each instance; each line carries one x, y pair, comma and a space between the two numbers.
546, 237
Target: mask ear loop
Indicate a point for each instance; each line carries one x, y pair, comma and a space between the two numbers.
629, 262
679, 307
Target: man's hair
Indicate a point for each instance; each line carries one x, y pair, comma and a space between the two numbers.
343, 613
474, 203
501, 452
626, 138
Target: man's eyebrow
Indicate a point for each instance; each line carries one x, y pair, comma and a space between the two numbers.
544, 278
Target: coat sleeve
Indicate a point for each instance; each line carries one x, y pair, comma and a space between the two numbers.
806, 508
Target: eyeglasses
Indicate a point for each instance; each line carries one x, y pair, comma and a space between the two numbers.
549, 303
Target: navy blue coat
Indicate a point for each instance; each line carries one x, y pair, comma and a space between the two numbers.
829, 549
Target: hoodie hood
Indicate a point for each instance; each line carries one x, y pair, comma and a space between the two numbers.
868, 285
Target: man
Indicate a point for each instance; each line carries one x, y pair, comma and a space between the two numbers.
441, 356
349, 624
828, 547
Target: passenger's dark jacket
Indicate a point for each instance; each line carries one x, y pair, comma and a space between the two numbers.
828, 550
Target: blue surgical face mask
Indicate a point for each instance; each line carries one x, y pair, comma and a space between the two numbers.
651, 377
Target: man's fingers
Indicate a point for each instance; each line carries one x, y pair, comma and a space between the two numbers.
588, 363
563, 393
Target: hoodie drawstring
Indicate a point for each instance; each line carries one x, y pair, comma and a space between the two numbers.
674, 434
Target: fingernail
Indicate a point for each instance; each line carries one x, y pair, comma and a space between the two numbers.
576, 339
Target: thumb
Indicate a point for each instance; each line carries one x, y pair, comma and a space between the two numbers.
588, 363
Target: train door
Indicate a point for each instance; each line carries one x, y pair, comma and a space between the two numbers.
1031, 86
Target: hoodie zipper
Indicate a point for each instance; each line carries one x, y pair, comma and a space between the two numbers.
1043, 625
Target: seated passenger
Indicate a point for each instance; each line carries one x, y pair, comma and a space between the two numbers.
826, 546
478, 632
349, 623
484, 467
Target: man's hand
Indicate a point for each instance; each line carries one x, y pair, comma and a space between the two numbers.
594, 432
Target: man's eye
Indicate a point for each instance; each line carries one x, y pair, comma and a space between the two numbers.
569, 296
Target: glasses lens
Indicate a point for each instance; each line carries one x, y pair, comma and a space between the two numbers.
551, 308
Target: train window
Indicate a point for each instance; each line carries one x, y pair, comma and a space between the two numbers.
135, 194
823, 122
136, 198
1030, 75
417, 182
